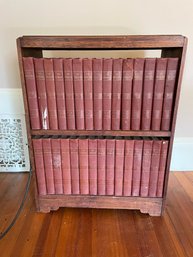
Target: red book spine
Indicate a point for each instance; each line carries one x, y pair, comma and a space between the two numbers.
30, 82
110, 166
66, 169
146, 163
128, 167
169, 93
149, 72
137, 94
50, 91
78, 92
116, 97
57, 165
39, 164
158, 93
74, 162
156, 150
48, 166
119, 162
93, 166
69, 90
162, 168
107, 93
101, 166
60, 95
88, 94
137, 162
126, 95
41, 90
97, 93
83, 161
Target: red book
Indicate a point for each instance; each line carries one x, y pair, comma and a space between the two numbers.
88, 94
97, 93
74, 162
92, 166
156, 150
162, 168
116, 96
41, 90
119, 162
39, 163
126, 95
50, 91
66, 169
148, 84
110, 166
107, 93
83, 166
137, 94
169, 92
30, 82
158, 92
57, 165
60, 95
101, 164
68, 85
78, 92
137, 162
128, 167
146, 163
48, 165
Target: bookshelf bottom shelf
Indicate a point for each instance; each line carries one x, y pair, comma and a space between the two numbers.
152, 206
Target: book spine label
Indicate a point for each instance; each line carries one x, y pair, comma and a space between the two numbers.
88, 93
107, 93
78, 92
149, 72
57, 165
93, 166
39, 164
146, 163
169, 93
41, 90
116, 93
126, 95
66, 169
156, 150
128, 167
162, 168
110, 166
83, 166
119, 162
137, 162
50, 91
101, 166
60, 94
158, 92
97, 93
74, 162
30, 82
48, 165
137, 94
68, 84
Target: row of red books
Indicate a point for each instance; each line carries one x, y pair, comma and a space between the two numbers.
100, 94
120, 167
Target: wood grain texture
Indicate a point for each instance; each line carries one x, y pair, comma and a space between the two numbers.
92, 232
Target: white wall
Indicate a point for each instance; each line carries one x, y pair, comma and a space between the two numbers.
89, 17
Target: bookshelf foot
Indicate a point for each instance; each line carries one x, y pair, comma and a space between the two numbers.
154, 211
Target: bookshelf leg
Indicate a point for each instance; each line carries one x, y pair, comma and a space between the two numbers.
152, 210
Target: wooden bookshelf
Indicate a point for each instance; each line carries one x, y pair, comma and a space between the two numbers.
170, 46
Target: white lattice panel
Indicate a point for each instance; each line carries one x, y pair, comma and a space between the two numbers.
13, 144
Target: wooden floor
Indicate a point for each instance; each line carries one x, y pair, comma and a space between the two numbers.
97, 233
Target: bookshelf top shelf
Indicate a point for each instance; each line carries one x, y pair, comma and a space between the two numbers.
102, 42
102, 133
